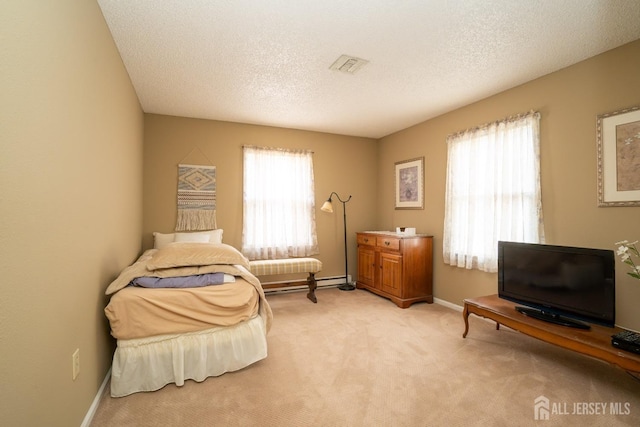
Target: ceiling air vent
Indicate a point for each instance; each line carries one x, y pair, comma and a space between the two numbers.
348, 64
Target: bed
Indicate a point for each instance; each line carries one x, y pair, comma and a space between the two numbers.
187, 309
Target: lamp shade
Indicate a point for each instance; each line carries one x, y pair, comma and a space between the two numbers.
327, 207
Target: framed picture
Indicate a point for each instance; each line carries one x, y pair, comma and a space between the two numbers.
410, 184
618, 136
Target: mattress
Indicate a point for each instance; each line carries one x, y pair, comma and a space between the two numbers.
135, 312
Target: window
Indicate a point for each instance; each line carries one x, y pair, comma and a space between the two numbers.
278, 204
492, 191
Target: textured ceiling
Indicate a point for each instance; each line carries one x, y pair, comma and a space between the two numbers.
267, 62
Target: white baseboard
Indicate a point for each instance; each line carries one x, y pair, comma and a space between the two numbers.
448, 304
96, 402
322, 282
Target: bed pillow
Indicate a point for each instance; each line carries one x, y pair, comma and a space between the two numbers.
180, 254
192, 237
160, 240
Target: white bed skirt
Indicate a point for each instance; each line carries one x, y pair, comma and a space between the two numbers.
148, 364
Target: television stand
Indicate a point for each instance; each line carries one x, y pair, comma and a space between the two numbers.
594, 342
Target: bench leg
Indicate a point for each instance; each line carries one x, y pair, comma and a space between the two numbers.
311, 281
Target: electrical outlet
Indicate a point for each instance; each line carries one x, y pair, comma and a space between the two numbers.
76, 363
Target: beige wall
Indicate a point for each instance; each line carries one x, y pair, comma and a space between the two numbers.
346, 165
70, 204
569, 101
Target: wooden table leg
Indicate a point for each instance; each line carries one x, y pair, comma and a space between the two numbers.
311, 281
465, 316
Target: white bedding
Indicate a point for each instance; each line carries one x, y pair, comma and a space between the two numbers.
148, 364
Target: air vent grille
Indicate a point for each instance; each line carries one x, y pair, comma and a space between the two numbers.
348, 64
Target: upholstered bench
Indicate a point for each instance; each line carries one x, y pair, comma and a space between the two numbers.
269, 267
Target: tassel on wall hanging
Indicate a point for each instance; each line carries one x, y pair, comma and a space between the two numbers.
196, 198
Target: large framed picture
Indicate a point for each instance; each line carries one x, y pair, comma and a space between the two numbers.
410, 184
618, 136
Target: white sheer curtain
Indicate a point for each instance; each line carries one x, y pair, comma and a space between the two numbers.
492, 191
278, 204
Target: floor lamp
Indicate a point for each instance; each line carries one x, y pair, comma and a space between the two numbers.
328, 207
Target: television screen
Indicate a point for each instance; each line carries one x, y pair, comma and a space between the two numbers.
559, 280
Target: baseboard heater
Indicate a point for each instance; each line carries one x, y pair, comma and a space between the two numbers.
301, 285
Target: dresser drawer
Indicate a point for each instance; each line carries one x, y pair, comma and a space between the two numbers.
387, 242
366, 239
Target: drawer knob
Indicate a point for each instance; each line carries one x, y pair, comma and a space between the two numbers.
386, 242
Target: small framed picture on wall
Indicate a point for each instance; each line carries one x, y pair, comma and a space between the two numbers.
618, 136
410, 184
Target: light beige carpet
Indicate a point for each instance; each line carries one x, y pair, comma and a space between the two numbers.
355, 359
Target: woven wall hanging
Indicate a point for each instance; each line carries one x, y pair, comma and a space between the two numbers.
196, 198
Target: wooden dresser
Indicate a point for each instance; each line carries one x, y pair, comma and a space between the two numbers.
396, 266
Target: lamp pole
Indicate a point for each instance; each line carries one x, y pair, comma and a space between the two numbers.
346, 286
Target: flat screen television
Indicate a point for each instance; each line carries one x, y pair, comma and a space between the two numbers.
560, 284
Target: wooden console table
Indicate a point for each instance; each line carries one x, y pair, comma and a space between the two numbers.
594, 342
